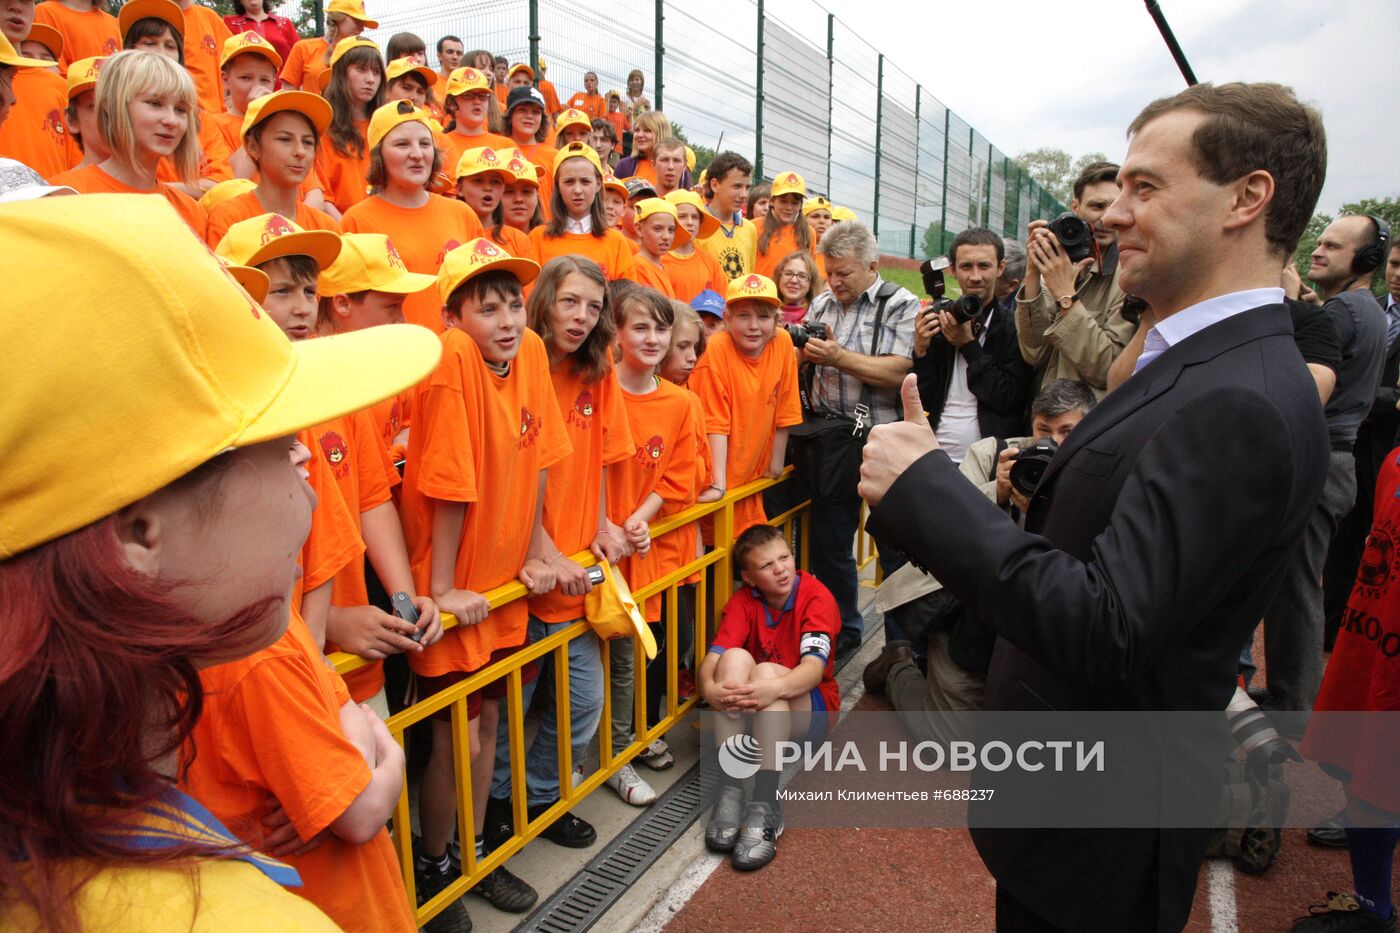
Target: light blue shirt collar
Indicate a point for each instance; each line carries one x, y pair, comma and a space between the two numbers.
1198, 317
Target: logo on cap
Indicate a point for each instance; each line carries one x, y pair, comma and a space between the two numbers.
276, 226
488, 157
250, 38
753, 283
516, 166
395, 259
790, 178
470, 74
485, 251
94, 68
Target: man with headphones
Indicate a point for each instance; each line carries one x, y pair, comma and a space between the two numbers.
1348, 254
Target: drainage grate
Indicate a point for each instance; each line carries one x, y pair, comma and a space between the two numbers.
588, 895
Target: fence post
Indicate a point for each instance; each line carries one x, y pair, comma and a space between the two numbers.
971, 161
943, 219
320, 19
879, 130
758, 101
535, 39
660, 52
918, 131
830, 91
987, 205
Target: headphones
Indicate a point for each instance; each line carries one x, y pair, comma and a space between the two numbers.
1371, 257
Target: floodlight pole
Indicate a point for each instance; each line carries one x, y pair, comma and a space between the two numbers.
1158, 17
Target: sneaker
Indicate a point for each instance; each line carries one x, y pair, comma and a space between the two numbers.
569, 831
723, 827
505, 891
430, 879
1343, 914
1329, 834
757, 842
657, 756
499, 825
631, 788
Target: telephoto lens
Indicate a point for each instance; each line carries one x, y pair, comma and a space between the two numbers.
1075, 236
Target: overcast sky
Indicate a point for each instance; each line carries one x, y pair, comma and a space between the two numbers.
1073, 73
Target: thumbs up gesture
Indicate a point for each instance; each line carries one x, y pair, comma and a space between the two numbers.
893, 448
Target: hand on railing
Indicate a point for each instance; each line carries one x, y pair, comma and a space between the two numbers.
467, 607
609, 544
537, 575
638, 535
572, 577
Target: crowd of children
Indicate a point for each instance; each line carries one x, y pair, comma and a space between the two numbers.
610, 355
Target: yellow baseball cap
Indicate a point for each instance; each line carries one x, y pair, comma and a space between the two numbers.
254, 281
709, 223
341, 48
789, 183
572, 117
249, 43
225, 190
82, 74
689, 159
817, 203
9, 58
266, 237
190, 366
649, 206
312, 106
481, 161
474, 257
355, 9
467, 79
402, 66
577, 150
392, 114
47, 36
753, 287
519, 166
544, 65
611, 181
368, 262
842, 213
520, 66
167, 10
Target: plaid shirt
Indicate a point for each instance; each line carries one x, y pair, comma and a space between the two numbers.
836, 392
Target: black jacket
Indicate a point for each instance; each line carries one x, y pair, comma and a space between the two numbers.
1158, 536
1377, 435
996, 374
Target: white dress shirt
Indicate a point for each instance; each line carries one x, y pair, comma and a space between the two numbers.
1188, 321
583, 225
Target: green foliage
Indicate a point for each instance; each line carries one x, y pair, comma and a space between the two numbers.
1387, 209
1055, 171
704, 155
933, 240
912, 280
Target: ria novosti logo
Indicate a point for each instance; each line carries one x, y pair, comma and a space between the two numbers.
739, 756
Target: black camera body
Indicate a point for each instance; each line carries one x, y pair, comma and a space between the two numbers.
801, 333
965, 309
1029, 465
1076, 237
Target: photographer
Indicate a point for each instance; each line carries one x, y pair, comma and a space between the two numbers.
1012, 276
1069, 315
870, 324
971, 376
930, 691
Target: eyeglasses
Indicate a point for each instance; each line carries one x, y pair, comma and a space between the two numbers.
796, 276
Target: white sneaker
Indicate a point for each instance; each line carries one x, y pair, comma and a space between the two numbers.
631, 788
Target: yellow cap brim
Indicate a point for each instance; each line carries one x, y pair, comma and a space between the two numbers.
409, 283
314, 108
19, 61
321, 245
334, 376
526, 270
253, 281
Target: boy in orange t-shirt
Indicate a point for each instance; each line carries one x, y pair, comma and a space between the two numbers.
747, 383
691, 270
658, 229
486, 431
88, 31
659, 475
248, 65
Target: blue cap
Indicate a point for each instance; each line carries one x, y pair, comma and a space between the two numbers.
708, 302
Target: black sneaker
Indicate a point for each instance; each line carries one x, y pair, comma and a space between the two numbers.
505, 891
430, 878
1330, 833
499, 825
569, 831
1343, 914
757, 843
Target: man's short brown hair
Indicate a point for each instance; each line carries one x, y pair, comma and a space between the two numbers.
1249, 127
1094, 173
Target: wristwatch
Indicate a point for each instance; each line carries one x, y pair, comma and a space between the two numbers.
1067, 301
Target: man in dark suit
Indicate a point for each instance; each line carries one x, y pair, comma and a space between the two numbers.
1161, 530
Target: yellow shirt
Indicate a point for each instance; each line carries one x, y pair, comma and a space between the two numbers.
734, 247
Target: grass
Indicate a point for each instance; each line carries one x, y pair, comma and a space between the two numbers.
910, 279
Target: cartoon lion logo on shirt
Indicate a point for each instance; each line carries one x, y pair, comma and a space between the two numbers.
649, 454
336, 452
581, 414
529, 428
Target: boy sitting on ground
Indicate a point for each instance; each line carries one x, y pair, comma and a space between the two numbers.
773, 653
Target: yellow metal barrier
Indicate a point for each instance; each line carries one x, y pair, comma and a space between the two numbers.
866, 551
717, 564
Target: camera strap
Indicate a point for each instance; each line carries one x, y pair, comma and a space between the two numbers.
863, 422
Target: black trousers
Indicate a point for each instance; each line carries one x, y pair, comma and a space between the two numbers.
1015, 917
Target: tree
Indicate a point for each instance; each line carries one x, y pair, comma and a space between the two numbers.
1050, 168
704, 155
933, 240
1388, 209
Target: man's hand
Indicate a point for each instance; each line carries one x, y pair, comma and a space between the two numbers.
573, 579
538, 576
822, 352
1004, 461
370, 632
958, 335
1045, 255
893, 448
926, 326
469, 607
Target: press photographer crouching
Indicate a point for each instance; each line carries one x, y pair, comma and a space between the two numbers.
934, 688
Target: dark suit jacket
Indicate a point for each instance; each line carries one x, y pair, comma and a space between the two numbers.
1159, 535
996, 374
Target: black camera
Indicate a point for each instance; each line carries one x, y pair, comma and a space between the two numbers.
1076, 237
801, 333
967, 308
1030, 464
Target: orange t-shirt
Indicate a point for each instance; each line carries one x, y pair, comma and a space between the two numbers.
551, 97
645, 168
305, 61
480, 439
691, 275
344, 175
334, 541
205, 33
645, 272
595, 105
609, 251
542, 155
619, 121
514, 242
663, 427
35, 133
783, 244
423, 236
677, 548
91, 179
229, 127
454, 144
270, 734
596, 423
392, 416
502, 93
763, 393
85, 34
247, 206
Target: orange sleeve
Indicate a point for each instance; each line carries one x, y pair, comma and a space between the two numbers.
704, 462
676, 482
446, 406
36, 132
334, 540
294, 69
709, 384
224, 216
376, 475
277, 733
188, 209
622, 261
617, 433
554, 438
